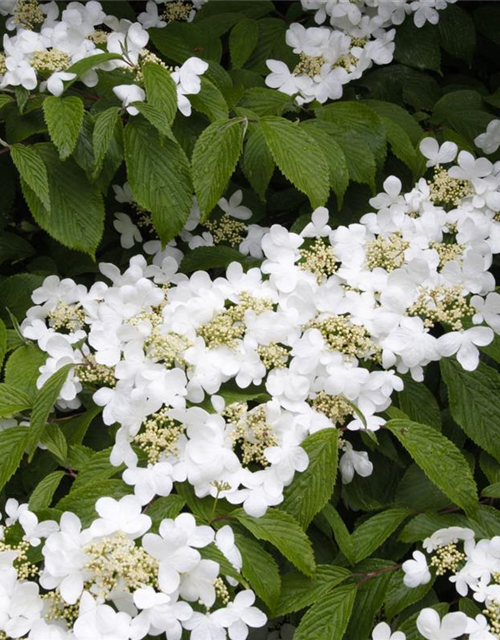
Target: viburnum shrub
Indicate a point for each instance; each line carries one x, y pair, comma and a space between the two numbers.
249, 320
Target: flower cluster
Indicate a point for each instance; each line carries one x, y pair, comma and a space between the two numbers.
116, 579
159, 13
217, 382
360, 35
473, 567
48, 41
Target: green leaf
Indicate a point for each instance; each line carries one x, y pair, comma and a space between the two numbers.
44, 492
22, 368
215, 156
283, 532
75, 429
299, 592
165, 507
13, 400
3, 342
419, 403
53, 438
43, 404
242, 41
328, 618
374, 532
15, 295
81, 67
298, 158
400, 142
354, 118
183, 40
474, 403
4, 99
424, 525
97, 467
312, 489
260, 569
457, 32
81, 500
398, 115
409, 626
258, 164
156, 118
76, 215
104, 130
492, 491
203, 258
340, 532
160, 90
14, 248
487, 19
441, 461
159, 178
418, 46
212, 552
399, 596
12, 447
266, 102
32, 170
210, 101
64, 117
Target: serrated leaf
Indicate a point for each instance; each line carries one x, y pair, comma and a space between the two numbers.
160, 90
210, 101
32, 170
102, 134
159, 178
440, 460
260, 569
419, 404
266, 102
298, 158
22, 368
398, 115
76, 216
400, 142
242, 41
12, 447
212, 552
257, 162
311, 490
4, 99
43, 404
44, 491
14, 247
75, 429
473, 397
355, 118
13, 400
156, 118
328, 618
15, 295
79, 455
284, 533
98, 466
183, 40
340, 532
299, 592
64, 117
215, 156
399, 596
53, 438
374, 532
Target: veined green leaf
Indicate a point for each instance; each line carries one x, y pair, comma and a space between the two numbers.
328, 618
32, 170
13, 400
13, 444
64, 117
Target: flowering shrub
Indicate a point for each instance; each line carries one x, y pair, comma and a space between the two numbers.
249, 320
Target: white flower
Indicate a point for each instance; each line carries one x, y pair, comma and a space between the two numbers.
120, 515
469, 168
383, 632
319, 224
129, 93
443, 537
241, 614
234, 208
479, 629
416, 571
463, 344
489, 141
55, 83
354, 462
436, 154
129, 232
453, 625
100, 621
